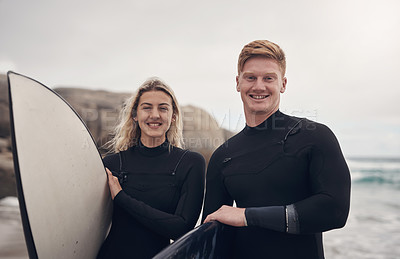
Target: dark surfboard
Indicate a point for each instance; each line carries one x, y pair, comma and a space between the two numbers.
210, 240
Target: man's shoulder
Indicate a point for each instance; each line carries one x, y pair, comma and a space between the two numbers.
306, 124
315, 127
312, 131
228, 146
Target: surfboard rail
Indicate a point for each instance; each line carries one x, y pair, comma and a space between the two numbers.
30, 244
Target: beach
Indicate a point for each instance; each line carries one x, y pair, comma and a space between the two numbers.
372, 230
373, 227
12, 242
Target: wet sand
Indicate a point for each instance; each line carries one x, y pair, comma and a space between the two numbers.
12, 241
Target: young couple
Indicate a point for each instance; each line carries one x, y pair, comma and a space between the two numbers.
287, 175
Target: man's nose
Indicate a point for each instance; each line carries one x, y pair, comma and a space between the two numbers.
259, 84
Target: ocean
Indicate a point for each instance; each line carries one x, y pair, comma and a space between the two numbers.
372, 230
373, 227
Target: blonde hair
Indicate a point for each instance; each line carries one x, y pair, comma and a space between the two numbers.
263, 48
127, 133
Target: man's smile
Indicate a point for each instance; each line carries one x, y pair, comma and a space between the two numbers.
258, 97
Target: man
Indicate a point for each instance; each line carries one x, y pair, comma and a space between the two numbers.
287, 175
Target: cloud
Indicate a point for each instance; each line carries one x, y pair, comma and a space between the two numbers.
341, 55
6, 66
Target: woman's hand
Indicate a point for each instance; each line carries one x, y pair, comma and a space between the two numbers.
229, 215
113, 183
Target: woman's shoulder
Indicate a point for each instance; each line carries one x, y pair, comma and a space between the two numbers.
189, 155
111, 161
110, 156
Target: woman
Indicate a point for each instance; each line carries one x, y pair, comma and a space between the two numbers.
159, 189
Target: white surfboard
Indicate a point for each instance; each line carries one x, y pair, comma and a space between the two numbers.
62, 185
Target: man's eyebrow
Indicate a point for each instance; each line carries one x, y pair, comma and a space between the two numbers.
273, 74
266, 74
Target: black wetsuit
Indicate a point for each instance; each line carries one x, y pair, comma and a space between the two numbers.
161, 199
290, 175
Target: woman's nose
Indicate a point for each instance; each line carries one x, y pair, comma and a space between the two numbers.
154, 113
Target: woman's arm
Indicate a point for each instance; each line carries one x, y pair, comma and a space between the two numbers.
188, 208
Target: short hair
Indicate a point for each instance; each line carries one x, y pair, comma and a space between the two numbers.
127, 133
263, 48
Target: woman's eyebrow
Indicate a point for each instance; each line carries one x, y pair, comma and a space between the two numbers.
157, 104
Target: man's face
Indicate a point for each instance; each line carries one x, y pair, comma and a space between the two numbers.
260, 84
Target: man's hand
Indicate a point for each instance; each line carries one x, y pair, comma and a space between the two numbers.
228, 215
113, 183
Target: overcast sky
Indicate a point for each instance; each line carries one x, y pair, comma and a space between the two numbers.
343, 57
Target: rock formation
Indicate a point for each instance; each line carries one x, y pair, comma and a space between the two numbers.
100, 110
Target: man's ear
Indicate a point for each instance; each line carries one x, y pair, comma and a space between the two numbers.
237, 84
284, 82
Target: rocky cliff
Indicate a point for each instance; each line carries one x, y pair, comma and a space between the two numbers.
99, 110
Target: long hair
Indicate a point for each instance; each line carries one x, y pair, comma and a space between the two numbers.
127, 132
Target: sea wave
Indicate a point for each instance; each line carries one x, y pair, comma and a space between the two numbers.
9, 210
9, 201
375, 171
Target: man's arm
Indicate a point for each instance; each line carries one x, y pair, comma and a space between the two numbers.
216, 193
327, 208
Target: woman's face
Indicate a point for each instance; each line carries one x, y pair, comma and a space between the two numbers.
154, 116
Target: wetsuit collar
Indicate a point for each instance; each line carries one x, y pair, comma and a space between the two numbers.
155, 151
275, 121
